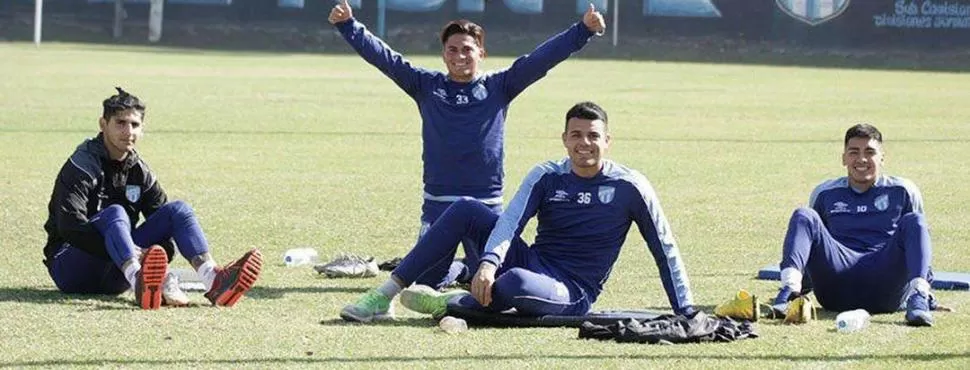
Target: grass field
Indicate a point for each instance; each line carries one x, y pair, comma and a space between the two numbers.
277, 151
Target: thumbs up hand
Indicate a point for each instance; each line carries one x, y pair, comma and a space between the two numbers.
340, 13
594, 20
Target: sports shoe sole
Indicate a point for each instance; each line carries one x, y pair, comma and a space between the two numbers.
245, 277
148, 289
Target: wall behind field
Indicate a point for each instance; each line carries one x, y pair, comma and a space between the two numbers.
911, 24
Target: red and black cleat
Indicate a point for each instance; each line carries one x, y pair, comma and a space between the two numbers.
234, 280
148, 285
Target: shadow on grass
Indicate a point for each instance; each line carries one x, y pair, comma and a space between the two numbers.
491, 358
96, 302
279, 292
418, 322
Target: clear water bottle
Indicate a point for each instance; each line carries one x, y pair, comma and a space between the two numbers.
300, 256
452, 325
850, 321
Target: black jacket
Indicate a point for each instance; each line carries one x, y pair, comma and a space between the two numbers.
90, 181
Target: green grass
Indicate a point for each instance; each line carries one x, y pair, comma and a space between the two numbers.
277, 151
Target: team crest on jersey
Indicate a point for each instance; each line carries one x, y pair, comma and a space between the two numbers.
606, 194
881, 202
133, 193
813, 12
479, 92
840, 207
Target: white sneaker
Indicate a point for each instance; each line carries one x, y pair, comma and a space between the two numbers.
349, 266
172, 294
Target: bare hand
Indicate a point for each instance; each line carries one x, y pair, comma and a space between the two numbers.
594, 20
340, 13
482, 283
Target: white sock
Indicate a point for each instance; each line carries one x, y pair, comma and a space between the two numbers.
207, 272
919, 285
390, 288
131, 272
791, 278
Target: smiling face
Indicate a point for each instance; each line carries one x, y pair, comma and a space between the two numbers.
462, 55
586, 141
863, 158
121, 132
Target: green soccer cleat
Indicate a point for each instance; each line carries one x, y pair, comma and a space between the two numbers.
427, 300
371, 306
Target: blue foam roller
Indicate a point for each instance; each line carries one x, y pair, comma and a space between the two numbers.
941, 279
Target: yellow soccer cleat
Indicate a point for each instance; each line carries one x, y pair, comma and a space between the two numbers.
744, 306
801, 310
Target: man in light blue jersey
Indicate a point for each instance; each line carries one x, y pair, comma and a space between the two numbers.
463, 110
585, 205
863, 241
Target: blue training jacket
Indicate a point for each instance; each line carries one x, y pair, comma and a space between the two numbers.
583, 222
865, 221
463, 124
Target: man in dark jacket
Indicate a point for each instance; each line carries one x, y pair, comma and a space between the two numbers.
93, 246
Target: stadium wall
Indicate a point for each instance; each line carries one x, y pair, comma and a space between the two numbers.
920, 24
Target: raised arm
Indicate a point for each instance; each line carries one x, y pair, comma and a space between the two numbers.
374, 50
656, 232
529, 68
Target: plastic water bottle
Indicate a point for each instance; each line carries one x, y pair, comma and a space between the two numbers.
850, 321
300, 256
452, 325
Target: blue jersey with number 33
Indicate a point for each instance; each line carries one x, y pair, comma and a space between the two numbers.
463, 123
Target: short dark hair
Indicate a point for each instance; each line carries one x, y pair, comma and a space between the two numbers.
464, 27
863, 130
121, 102
587, 110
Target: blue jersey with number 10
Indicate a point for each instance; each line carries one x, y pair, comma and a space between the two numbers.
463, 123
865, 221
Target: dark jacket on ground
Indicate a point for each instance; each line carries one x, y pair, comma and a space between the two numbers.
90, 181
671, 329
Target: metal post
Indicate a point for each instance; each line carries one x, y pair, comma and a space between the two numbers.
616, 21
155, 17
381, 10
38, 18
119, 18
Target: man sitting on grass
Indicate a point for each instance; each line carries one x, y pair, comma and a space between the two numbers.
863, 242
585, 205
93, 246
